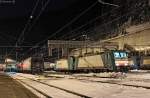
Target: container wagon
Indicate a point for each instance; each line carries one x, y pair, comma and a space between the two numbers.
67, 65
34, 65
109, 60
145, 63
48, 66
140, 61
90, 63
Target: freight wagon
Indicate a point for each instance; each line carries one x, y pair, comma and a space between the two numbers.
34, 65
141, 62
145, 62
109, 60
48, 66
69, 64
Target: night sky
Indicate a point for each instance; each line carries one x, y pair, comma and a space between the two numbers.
13, 18
58, 13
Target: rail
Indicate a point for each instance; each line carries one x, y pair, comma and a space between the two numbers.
68, 91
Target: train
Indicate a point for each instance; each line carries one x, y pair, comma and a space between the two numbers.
2, 67
115, 60
10, 65
141, 62
48, 66
33, 65
145, 62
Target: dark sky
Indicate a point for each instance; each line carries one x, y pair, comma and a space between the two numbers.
13, 18
24, 7
58, 13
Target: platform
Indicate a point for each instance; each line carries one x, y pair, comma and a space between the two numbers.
10, 88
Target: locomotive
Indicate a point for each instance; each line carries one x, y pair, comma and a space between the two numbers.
106, 61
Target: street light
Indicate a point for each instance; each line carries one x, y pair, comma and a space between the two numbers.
105, 3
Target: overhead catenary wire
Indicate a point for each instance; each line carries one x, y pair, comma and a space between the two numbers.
35, 20
38, 16
76, 29
26, 25
55, 34
62, 28
72, 21
102, 2
105, 3
68, 24
29, 21
105, 23
41, 11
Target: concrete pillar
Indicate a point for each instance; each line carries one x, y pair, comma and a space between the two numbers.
50, 51
65, 52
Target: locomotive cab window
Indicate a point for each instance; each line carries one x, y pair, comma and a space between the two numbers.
120, 55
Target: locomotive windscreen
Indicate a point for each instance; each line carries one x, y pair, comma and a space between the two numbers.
120, 54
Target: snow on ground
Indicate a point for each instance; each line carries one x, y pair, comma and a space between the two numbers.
53, 92
33, 91
97, 90
103, 75
136, 70
120, 81
139, 76
92, 89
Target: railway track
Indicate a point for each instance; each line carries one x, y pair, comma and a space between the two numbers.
47, 96
115, 82
86, 79
42, 93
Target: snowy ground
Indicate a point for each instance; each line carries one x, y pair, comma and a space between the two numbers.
88, 85
53, 92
